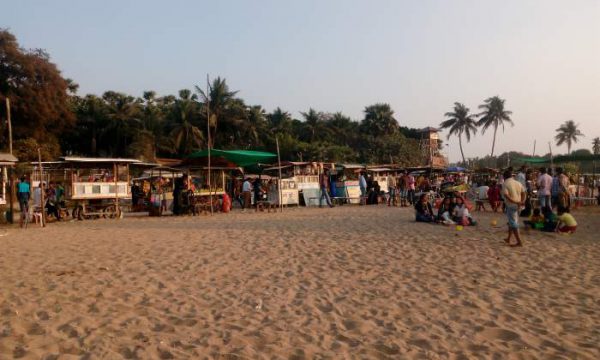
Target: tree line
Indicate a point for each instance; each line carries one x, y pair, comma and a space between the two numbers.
48, 114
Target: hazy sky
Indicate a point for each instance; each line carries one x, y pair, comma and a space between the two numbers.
542, 56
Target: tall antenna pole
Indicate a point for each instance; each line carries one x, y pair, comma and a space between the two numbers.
209, 140
534, 143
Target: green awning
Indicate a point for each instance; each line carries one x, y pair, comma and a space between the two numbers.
241, 158
561, 159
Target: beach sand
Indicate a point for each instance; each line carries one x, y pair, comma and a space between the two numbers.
347, 282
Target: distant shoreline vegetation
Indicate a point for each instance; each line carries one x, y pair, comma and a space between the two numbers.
47, 113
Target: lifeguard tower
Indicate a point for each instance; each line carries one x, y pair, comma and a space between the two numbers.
430, 148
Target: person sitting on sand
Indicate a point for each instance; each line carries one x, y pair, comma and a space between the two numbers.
566, 221
424, 211
445, 211
536, 221
550, 219
461, 214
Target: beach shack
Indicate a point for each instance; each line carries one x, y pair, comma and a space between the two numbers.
299, 180
7, 161
209, 171
380, 174
93, 187
346, 182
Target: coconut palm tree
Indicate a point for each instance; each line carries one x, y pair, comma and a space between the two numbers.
460, 122
567, 133
314, 123
493, 115
186, 136
123, 112
596, 146
280, 121
219, 99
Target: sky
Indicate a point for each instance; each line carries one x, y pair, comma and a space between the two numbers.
542, 56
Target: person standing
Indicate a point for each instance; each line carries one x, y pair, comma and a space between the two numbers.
324, 184
522, 176
564, 197
23, 194
410, 179
362, 184
514, 197
544, 184
247, 193
391, 183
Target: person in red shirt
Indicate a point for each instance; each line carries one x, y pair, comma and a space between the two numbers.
494, 196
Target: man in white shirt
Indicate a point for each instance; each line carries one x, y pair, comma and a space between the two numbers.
514, 196
544, 184
482, 197
247, 193
522, 176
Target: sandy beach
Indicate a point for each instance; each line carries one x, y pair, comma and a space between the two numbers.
348, 282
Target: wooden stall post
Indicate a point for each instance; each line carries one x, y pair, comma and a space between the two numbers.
42, 202
279, 181
116, 176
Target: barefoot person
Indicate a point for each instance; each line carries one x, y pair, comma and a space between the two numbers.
514, 197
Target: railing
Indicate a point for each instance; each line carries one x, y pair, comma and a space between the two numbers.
100, 190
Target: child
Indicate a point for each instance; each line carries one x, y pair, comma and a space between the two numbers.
536, 221
445, 211
566, 221
461, 213
550, 219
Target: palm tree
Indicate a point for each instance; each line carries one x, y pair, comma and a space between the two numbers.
567, 133
494, 115
460, 122
596, 146
314, 124
219, 99
255, 124
186, 136
123, 113
342, 128
379, 120
280, 121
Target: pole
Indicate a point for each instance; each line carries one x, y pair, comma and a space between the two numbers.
279, 181
10, 142
209, 140
42, 202
10, 194
534, 143
116, 176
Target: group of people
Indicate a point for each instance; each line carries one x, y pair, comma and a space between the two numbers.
452, 210
516, 196
54, 197
249, 192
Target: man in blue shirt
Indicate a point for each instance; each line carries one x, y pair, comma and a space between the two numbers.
23, 194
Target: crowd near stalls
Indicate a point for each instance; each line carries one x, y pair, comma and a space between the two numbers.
85, 188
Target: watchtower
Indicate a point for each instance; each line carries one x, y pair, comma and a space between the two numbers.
430, 148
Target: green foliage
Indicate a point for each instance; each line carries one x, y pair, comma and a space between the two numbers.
26, 149
568, 133
460, 122
38, 93
493, 116
146, 127
596, 146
